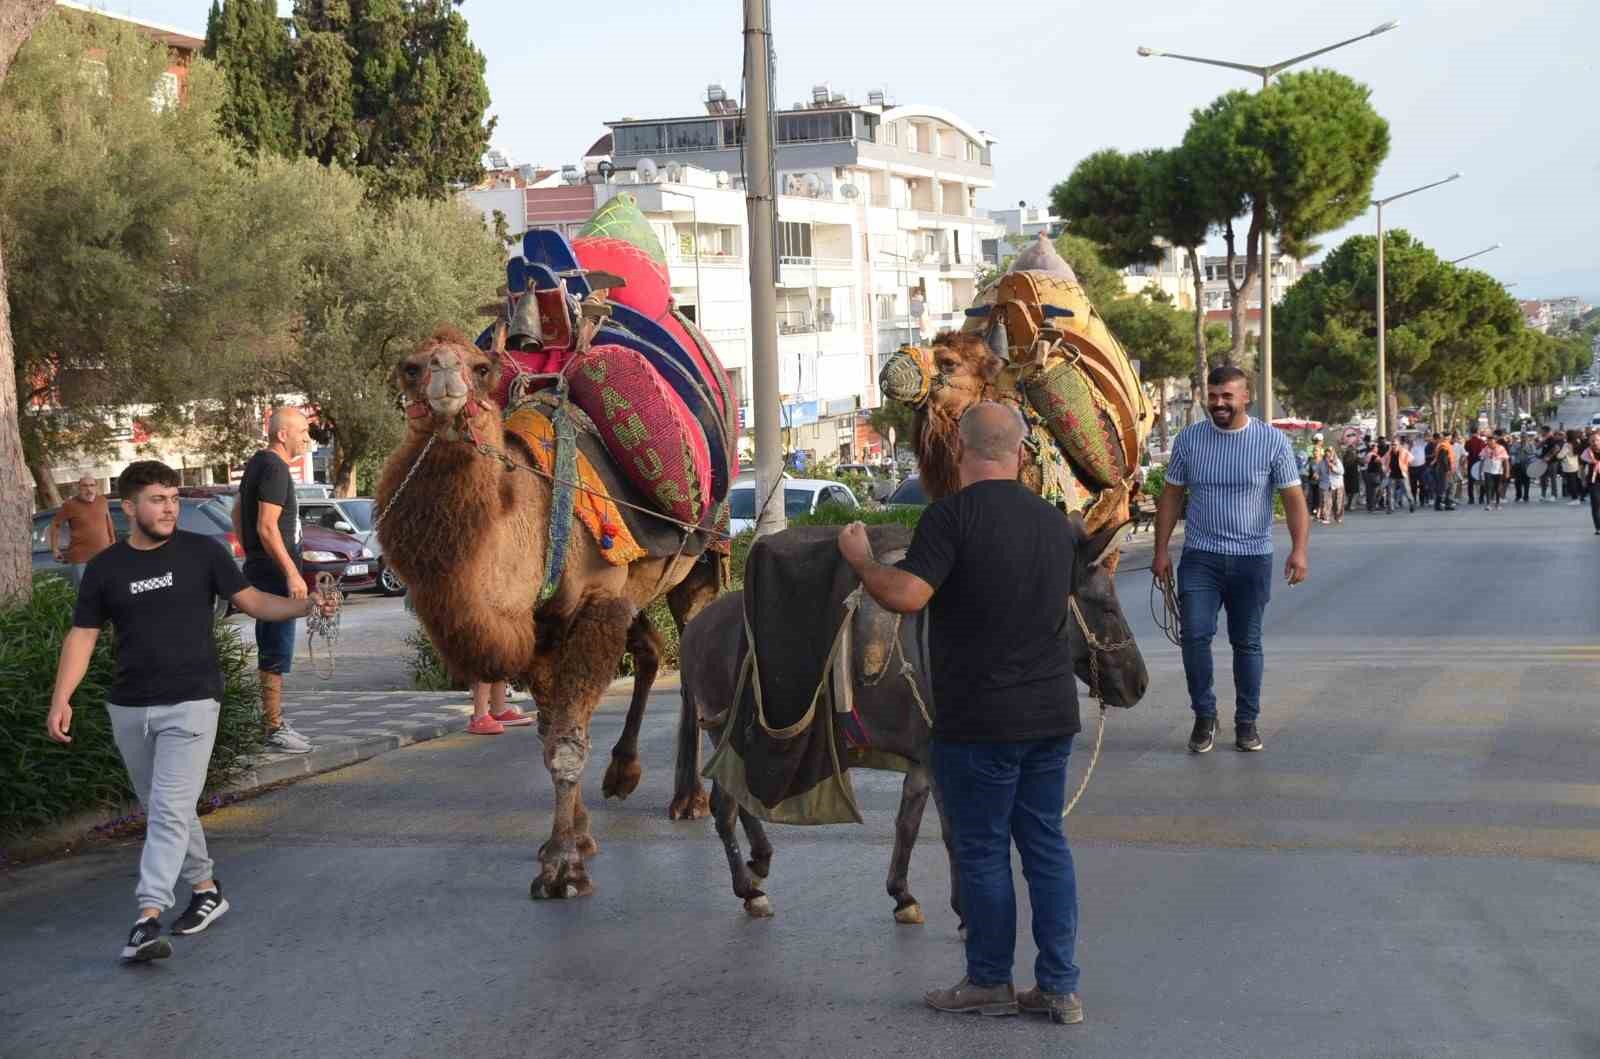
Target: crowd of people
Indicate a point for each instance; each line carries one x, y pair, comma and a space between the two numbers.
1486, 468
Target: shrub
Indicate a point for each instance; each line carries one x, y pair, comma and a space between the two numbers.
1155, 480
428, 672
42, 782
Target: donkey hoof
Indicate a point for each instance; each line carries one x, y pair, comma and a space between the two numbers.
909, 915
696, 805
758, 907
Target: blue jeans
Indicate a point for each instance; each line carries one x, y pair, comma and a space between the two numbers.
1398, 490
994, 794
1208, 582
274, 639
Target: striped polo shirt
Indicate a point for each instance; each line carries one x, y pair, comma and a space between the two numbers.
1230, 475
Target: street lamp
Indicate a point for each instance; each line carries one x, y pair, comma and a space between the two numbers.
1267, 73
1383, 384
694, 212
1475, 253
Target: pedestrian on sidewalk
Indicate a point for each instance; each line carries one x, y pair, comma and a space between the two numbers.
1549, 445
1417, 468
1493, 458
158, 589
994, 563
1591, 460
1461, 477
1567, 457
1442, 467
1230, 465
1399, 473
1372, 475
1523, 450
90, 530
266, 520
491, 714
1475, 445
1313, 474
1331, 473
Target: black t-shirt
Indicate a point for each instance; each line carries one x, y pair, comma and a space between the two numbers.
160, 602
1000, 561
266, 477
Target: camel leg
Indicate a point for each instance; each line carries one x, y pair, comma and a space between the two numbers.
687, 599
950, 852
907, 823
587, 846
725, 812
585, 661
645, 644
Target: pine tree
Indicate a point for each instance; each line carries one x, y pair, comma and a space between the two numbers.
251, 45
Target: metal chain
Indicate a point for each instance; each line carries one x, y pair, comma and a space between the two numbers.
324, 628
405, 481
1170, 619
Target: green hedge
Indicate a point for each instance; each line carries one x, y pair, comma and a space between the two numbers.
42, 782
428, 672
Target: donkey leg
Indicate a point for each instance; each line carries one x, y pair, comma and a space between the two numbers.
688, 598
645, 644
907, 824
725, 812
760, 862
950, 853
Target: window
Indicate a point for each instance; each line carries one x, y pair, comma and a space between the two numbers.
956, 236
736, 383
639, 139
1238, 271
794, 240
867, 127
974, 152
693, 135
166, 91
885, 306
813, 127
891, 134
796, 502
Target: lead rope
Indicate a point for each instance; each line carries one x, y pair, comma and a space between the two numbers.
1170, 617
1096, 645
324, 628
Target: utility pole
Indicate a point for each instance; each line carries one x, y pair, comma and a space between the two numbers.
762, 208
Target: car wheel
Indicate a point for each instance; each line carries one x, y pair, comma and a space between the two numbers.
389, 582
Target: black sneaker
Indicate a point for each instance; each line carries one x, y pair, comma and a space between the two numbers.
146, 943
1245, 737
205, 908
1204, 736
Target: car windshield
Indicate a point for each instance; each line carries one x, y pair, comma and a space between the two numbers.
742, 503
360, 512
909, 492
797, 502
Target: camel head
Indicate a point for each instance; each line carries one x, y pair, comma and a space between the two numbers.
446, 383
941, 383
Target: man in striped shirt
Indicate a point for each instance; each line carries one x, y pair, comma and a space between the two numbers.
1229, 466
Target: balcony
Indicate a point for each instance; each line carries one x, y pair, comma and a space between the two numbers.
816, 262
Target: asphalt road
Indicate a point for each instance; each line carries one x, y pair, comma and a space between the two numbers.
1412, 868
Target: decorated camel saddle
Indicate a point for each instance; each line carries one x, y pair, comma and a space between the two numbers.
1034, 340
614, 389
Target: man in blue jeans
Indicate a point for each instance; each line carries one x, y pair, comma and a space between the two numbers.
994, 564
1229, 465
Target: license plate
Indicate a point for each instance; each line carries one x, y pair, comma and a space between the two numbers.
355, 569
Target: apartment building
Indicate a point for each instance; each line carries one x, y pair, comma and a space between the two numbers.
878, 239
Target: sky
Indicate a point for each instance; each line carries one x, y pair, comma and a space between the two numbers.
1506, 93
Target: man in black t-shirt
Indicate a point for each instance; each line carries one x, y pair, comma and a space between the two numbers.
994, 564
267, 522
157, 588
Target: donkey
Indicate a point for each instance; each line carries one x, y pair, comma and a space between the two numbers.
890, 704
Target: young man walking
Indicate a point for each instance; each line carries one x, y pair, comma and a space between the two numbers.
267, 522
157, 588
90, 530
997, 562
1229, 465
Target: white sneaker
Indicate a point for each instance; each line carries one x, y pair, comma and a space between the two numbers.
288, 741
1574, 503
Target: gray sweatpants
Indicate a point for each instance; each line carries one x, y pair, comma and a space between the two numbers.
167, 750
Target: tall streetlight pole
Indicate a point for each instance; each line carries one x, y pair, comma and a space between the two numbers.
1383, 380
762, 208
1267, 73
694, 213
1475, 253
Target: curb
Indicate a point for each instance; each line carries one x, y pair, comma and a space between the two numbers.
276, 768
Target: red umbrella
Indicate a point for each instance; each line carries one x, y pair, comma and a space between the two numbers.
1297, 424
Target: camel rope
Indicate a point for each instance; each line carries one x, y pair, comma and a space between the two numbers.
1096, 646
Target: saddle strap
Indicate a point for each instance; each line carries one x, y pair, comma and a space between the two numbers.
562, 498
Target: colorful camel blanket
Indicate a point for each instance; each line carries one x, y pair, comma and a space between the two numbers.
591, 499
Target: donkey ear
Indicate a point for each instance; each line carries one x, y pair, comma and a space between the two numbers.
1105, 543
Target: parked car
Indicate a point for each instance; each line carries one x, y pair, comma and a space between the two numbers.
195, 514
355, 516
322, 550
801, 496
908, 494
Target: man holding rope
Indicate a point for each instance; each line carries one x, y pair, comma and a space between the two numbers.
1229, 466
995, 564
158, 589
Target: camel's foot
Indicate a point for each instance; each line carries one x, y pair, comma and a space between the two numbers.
587, 846
909, 915
562, 875
758, 907
696, 805
622, 777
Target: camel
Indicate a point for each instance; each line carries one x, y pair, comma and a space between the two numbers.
710, 654
467, 532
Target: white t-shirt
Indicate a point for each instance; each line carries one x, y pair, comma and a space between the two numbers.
1419, 452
